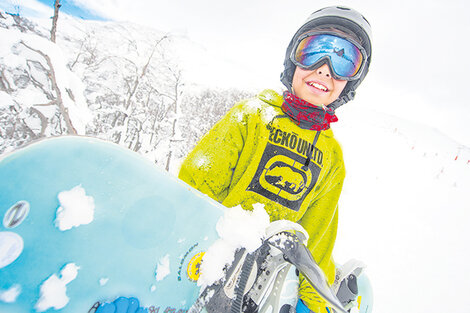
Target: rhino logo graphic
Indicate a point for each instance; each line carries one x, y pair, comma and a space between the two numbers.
286, 178
283, 177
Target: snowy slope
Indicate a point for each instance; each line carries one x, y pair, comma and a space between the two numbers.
405, 210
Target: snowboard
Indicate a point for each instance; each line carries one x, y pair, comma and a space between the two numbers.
86, 221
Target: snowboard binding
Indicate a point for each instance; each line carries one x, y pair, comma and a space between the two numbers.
353, 288
255, 282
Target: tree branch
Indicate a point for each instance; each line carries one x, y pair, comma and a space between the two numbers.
52, 102
4, 83
43, 119
144, 71
62, 109
78, 56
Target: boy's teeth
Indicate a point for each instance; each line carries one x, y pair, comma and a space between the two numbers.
321, 87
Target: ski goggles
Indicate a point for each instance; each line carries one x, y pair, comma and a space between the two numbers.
345, 57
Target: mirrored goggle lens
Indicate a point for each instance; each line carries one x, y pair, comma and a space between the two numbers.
346, 58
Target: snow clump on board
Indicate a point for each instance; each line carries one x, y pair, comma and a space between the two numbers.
238, 228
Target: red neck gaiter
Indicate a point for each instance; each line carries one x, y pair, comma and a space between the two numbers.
307, 115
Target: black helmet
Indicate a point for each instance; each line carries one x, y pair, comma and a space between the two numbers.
344, 19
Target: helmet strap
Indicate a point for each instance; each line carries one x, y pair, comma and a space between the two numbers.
346, 97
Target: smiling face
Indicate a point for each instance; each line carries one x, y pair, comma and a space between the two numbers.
317, 86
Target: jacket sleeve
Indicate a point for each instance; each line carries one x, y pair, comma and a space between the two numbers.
210, 165
321, 222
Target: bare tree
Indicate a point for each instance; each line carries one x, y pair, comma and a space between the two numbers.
57, 6
174, 138
58, 100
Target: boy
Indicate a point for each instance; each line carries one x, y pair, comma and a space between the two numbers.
279, 150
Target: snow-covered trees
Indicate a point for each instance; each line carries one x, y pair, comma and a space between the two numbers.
132, 87
201, 110
39, 96
118, 82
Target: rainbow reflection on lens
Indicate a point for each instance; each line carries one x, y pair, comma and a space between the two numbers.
345, 57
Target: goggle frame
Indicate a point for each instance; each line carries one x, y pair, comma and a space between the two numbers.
326, 59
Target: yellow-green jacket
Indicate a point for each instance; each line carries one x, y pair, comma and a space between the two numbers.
253, 155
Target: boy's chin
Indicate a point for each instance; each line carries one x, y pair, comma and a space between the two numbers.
315, 101
316, 98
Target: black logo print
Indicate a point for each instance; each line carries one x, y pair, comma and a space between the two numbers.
282, 177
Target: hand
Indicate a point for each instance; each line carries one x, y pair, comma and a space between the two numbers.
120, 305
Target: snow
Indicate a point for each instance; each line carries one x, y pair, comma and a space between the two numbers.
103, 281
269, 114
163, 268
66, 80
76, 208
280, 240
53, 292
241, 228
201, 161
215, 259
404, 210
10, 295
267, 111
17, 54
237, 228
285, 225
254, 104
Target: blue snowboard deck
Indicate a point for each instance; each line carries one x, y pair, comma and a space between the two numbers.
142, 216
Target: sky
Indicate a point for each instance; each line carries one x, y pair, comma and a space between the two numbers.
417, 66
75, 9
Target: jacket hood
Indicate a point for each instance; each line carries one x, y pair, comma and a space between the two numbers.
271, 97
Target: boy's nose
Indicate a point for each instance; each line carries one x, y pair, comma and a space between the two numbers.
324, 70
